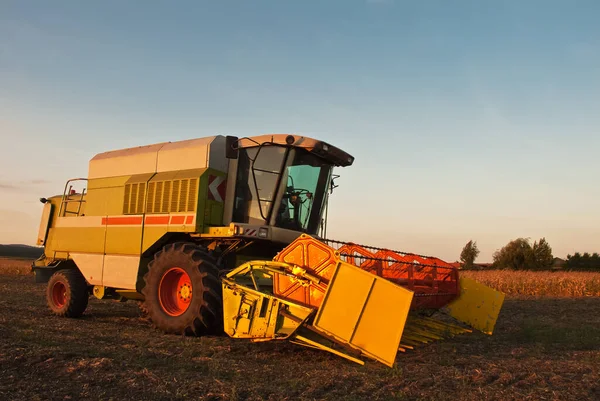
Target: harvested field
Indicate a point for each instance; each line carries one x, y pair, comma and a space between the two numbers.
543, 349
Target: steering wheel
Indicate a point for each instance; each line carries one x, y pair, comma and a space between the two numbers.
297, 196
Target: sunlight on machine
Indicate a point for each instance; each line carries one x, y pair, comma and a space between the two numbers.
228, 235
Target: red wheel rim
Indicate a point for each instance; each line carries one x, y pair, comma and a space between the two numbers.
175, 291
59, 294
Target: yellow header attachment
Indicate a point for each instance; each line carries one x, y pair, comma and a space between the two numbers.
359, 314
354, 315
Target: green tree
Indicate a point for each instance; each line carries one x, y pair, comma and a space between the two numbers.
574, 261
516, 255
542, 253
469, 254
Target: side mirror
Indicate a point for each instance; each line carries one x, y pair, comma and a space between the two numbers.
231, 149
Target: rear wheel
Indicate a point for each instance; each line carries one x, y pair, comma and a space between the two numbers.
182, 292
67, 293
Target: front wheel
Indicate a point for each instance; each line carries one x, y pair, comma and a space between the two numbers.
67, 293
182, 292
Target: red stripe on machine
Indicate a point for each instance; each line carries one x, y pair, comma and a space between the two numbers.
157, 219
122, 221
149, 220
177, 219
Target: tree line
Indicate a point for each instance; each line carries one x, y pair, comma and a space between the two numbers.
20, 251
586, 261
520, 254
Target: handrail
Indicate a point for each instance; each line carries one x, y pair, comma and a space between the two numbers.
64, 199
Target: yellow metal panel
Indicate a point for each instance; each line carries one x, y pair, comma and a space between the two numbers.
105, 201
218, 231
380, 327
477, 305
44, 224
166, 176
78, 239
365, 311
344, 301
153, 234
123, 240
138, 178
194, 173
251, 314
79, 222
111, 182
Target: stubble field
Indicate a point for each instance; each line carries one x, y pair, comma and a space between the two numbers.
546, 347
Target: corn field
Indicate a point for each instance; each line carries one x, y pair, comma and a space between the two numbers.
539, 284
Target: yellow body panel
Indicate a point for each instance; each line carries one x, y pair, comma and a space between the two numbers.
477, 305
44, 223
105, 196
76, 239
123, 240
153, 234
99, 183
218, 231
356, 311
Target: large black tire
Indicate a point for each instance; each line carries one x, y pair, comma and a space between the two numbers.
182, 291
67, 293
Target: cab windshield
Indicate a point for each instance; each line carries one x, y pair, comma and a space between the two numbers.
281, 186
307, 179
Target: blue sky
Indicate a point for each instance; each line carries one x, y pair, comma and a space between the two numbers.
468, 119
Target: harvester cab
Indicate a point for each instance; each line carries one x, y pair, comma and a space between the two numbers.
228, 235
279, 187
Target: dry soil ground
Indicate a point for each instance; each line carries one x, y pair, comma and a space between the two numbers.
545, 349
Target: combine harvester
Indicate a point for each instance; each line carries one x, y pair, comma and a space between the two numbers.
226, 234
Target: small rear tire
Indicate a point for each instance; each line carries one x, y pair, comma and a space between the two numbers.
67, 293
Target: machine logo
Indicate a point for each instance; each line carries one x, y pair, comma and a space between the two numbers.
216, 188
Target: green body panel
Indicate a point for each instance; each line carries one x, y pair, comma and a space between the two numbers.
207, 207
213, 213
